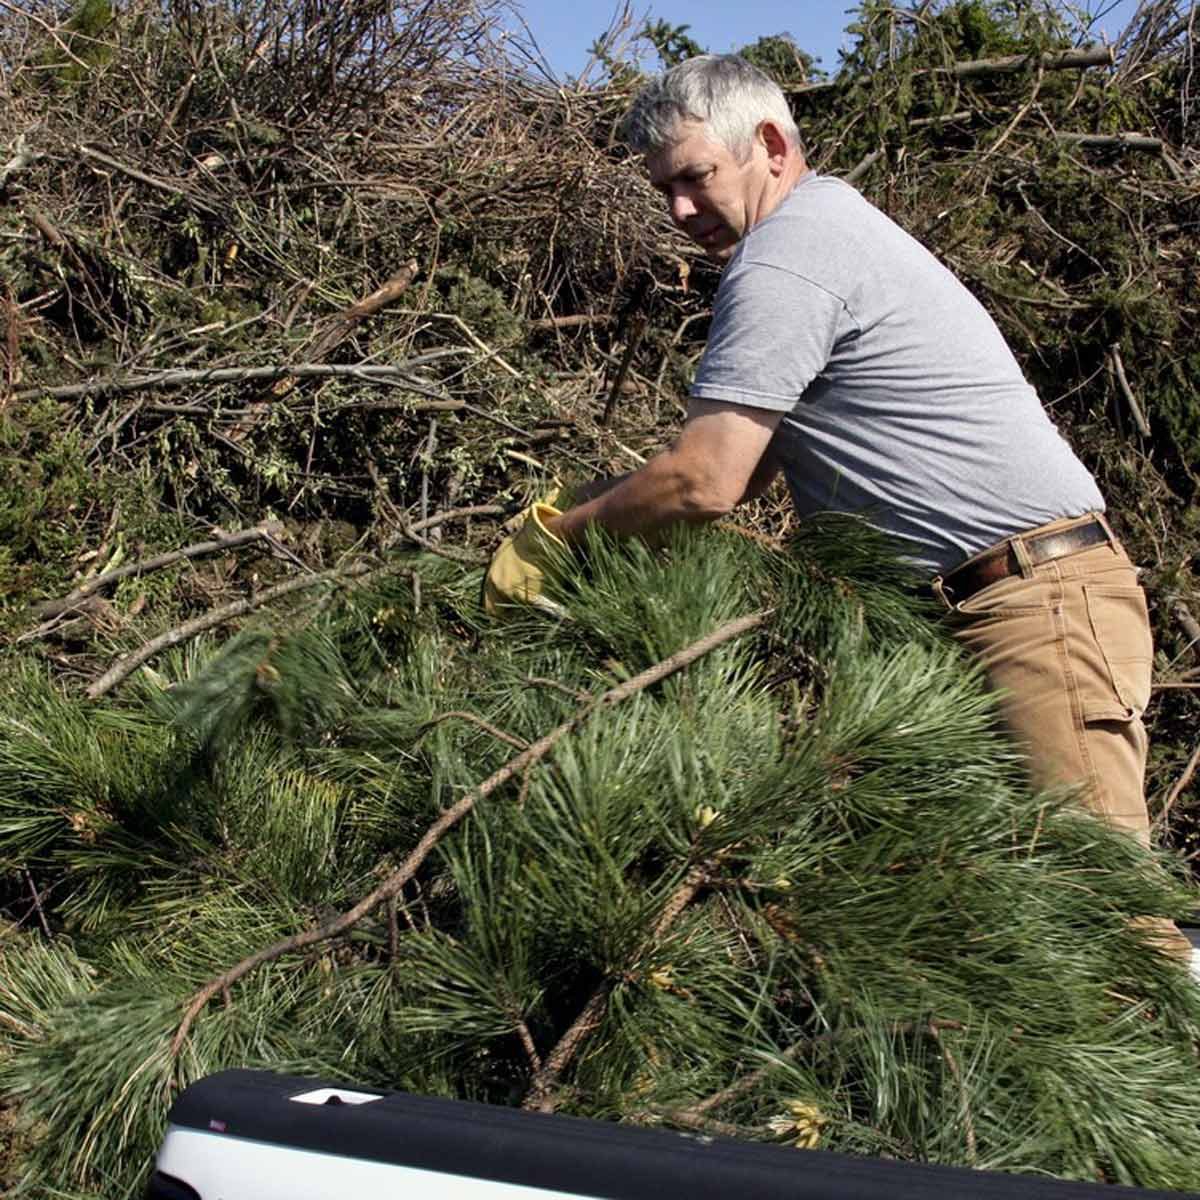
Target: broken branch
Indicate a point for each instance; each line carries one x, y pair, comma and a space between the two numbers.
1135, 408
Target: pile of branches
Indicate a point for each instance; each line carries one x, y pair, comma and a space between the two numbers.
192, 270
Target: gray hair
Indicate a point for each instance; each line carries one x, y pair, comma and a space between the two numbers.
724, 92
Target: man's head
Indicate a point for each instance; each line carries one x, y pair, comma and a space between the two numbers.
720, 143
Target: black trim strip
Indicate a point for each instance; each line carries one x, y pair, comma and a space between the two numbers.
587, 1158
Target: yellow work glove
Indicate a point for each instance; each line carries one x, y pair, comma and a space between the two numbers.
518, 569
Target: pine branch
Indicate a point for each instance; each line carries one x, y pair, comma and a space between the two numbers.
697, 1115
471, 718
396, 881
935, 1032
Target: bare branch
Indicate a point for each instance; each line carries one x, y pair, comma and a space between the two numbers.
124, 667
225, 541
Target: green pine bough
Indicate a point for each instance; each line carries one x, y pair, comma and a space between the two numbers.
735, 846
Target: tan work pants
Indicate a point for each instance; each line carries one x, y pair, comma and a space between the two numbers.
1068, 644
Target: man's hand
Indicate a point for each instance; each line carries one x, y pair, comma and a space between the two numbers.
518, 569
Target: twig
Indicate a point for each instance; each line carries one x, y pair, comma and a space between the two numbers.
1018, 117
124, 667
1135, 408
102, 550
963, 114
10, 346
476, 411
478, 342
52, 608
569, 322
319, 347
452, 514
1057, 60
935, 1032
498, 734
450, 552
457, 514
739, 1087
368, 306
864, 166
392, 885
635, 340
162, 185
708, 1125
540, 681
37, 903
427, 459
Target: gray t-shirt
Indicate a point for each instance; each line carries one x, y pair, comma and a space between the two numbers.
903, 402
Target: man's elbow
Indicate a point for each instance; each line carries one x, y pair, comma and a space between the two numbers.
703, 500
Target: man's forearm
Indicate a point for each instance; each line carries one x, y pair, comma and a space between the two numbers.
583, 492
643, 502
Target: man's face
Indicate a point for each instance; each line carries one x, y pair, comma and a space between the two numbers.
712, 197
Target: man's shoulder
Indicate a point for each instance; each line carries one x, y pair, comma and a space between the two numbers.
820, 231
820, 206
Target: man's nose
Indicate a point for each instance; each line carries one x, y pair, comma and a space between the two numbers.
682, 208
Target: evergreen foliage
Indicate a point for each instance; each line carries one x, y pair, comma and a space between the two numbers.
804, 871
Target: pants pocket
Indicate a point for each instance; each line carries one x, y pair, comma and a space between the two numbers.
1121, 626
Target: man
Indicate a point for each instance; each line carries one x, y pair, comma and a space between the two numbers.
843, 354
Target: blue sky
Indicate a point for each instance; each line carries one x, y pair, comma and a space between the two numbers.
564, 29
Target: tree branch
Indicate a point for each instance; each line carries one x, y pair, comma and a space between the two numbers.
1135, 408
1055, 60
541, 1096
1177, 788
1112, 141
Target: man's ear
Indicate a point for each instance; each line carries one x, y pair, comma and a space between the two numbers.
775, 141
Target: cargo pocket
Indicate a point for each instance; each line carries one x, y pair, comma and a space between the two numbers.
1121, 627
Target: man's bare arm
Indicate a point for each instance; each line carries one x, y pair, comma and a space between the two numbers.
764, 475
703, 476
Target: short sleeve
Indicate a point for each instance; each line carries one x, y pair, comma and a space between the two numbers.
773, 332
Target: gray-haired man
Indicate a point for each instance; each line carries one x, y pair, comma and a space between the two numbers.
843, 354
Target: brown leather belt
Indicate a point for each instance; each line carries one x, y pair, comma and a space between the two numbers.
994, 565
